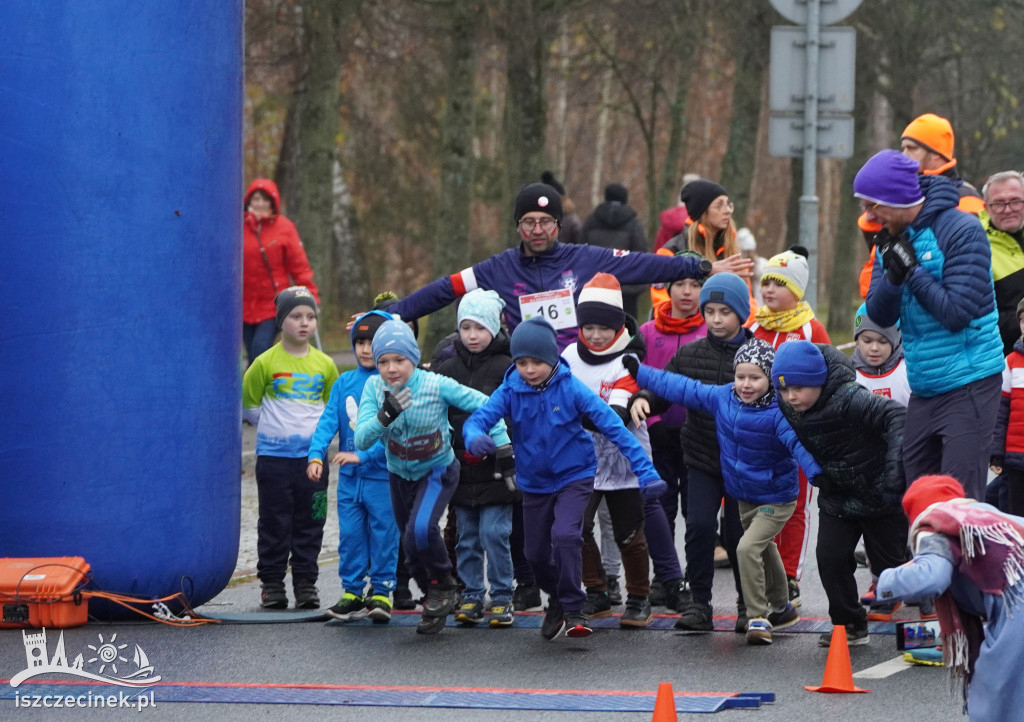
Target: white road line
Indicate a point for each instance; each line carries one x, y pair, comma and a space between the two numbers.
885, 669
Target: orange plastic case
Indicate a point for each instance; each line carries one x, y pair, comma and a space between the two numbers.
42, 592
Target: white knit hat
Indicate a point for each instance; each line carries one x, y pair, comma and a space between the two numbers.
789, 269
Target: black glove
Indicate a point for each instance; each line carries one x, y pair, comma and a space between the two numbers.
899, 260
505, 466
631, 364
394, 404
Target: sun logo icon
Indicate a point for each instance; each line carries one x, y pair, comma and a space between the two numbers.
107, 653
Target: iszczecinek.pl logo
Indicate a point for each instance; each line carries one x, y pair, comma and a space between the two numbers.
106, 661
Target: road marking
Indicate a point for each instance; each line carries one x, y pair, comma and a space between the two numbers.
885, 669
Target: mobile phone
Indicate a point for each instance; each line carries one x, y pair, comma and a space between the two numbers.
916, 635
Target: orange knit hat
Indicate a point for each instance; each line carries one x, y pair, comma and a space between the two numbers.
931, 133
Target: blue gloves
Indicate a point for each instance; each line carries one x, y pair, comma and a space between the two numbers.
482, 445
654, 490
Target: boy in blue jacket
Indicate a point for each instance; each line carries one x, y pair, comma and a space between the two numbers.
367, 533
556, 463
758, 447
406, 408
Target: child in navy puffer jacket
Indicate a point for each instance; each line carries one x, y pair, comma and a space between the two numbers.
762, 477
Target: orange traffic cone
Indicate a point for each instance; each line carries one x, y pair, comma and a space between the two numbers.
665, 704
838, 672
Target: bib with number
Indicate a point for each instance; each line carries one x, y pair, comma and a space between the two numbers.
556, 307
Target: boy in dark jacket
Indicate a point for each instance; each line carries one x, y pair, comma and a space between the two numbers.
856, 437
725, 304
482, 501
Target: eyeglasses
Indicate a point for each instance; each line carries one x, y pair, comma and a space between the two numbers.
868, 207
1014, 205
722, 206
546, 224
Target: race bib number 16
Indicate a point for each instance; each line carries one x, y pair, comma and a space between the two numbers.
555, 307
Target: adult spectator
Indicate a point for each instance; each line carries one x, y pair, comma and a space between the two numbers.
933, 274
571, 230
1003, 220
272, 260
615, 225
542, 277
929, 141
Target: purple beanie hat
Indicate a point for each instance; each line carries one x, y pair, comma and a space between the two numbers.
889, 178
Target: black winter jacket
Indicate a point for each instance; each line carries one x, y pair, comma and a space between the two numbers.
857, 437
708, 360
484, 372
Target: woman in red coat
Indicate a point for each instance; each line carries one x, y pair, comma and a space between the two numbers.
272, 259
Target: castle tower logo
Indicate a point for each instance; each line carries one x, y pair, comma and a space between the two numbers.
106, 661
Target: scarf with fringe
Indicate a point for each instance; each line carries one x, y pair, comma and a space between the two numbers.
988, 551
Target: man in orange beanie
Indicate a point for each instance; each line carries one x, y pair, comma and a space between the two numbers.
969, 557
929, 140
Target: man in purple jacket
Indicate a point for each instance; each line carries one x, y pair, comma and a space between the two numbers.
543, 277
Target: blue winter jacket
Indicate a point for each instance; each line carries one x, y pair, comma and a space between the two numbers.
512, 274
757, 444
947, 308
340, 418
552, 448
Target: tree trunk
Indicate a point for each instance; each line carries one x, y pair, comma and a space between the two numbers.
451, 240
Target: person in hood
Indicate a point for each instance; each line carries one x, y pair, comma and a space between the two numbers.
272, 260
615, 225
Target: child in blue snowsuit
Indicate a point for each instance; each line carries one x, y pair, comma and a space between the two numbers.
758, 447
367, 533
556, 464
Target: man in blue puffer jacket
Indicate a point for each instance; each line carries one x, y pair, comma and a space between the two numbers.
933, 273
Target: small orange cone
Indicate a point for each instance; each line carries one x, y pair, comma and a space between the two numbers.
665, 704
838, 672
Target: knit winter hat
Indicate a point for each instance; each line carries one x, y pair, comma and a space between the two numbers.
548, 178
697, 196
889, 178
616, 192
1020, 307
535, 338
863, 322
789, 269
395, 336
366, 326
291, 297
745, 240
727, 288
538, 197
484, 307
601, 302
758, 352
799, 363
928, 490
931, 132
688, 253
387, 299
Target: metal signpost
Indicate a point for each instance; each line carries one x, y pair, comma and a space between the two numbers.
811, 96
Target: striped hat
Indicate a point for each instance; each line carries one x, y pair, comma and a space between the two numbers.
601, 302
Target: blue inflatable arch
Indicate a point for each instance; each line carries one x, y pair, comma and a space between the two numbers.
121, 218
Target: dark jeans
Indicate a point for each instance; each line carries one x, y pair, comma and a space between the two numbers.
626, 508
661, 543
553, 525
885, 543
668, 461
520, 566
704, 494
293, 510
951, 434
258, 337
419, 504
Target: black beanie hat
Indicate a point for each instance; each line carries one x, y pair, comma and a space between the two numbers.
289, 298
549, 178
697, 196
387, 299
616, 192
366, 325
538, 197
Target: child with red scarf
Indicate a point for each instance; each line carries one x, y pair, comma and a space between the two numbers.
970, 556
